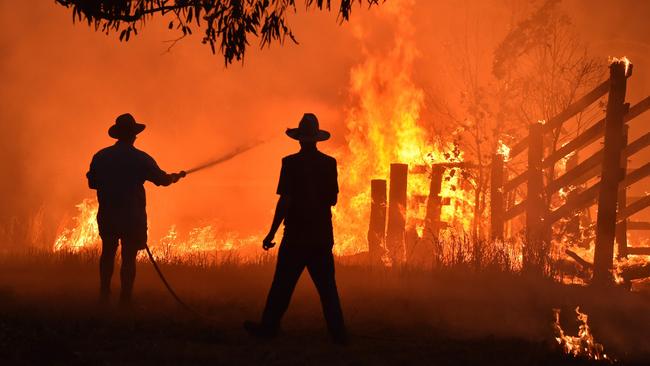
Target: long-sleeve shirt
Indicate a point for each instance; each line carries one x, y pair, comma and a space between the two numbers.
118, 174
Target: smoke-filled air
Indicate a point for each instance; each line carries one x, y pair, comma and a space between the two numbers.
463, 181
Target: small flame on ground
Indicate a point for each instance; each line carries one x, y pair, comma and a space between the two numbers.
583, 345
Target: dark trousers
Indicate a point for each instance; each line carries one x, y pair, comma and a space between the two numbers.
291, 262
106, 264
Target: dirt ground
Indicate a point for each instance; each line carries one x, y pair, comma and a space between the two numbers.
49, 316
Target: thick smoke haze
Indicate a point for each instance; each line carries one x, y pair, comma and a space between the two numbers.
63, 85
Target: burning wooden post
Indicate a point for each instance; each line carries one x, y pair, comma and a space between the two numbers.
497, 208
377, 229
611, 173
535, 206
395, 230
432, 222
621, 226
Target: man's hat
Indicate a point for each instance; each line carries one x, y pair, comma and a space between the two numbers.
125, 126
308, 130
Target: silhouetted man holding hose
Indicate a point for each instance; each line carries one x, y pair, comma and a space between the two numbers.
118, 173
308, 188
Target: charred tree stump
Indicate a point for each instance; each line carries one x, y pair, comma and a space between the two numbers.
497, 208
432, 222
535, 249
621, 226
395, 231
377, 227
611, 176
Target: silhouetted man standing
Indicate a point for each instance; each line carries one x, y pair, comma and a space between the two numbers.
308, 189
118, 174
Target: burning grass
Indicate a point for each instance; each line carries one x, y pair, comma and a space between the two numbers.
583, 345
452, 249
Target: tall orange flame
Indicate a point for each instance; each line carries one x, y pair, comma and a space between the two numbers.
385, 126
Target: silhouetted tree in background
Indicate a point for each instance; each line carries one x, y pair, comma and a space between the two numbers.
537, 69
543, 67
229, 23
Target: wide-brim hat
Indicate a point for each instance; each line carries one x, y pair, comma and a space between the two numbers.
308, 130
125, 126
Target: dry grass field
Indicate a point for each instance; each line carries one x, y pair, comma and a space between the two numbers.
49, 316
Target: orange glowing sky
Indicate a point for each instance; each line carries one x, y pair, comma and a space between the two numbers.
63, 85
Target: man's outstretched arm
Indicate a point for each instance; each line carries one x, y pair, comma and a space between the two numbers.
280, 214
158, 176
163, 179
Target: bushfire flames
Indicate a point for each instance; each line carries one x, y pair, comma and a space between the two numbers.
493, 159
384, 126
206, 239
85, 233
583, 345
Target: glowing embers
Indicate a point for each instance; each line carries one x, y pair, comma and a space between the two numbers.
583, 345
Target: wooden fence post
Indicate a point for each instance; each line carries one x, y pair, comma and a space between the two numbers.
377, 227
434, 205
534, 252
621, 227
397, 212
497, 208
611, 175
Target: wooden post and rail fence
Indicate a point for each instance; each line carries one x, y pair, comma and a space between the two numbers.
388, 211
610, 162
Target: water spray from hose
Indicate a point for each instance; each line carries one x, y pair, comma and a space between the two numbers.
222, 159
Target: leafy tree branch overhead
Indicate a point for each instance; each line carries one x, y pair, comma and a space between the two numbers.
226, 23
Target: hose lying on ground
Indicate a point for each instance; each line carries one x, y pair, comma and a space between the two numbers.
171, 289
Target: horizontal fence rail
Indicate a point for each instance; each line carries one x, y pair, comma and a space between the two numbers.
615, 208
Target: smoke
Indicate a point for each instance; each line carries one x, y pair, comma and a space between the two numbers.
64, 84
